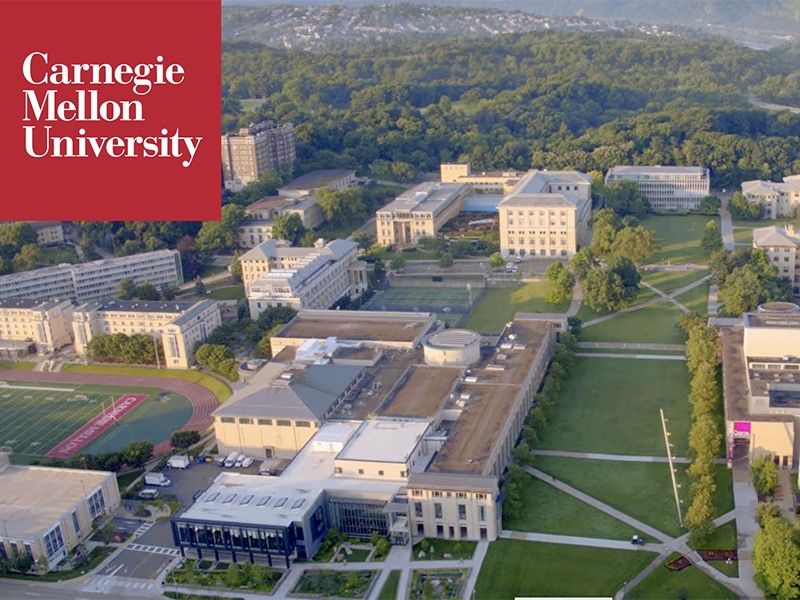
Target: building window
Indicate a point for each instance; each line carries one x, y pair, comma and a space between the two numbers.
265, 421
436, 494
337, 470
53, 541
380, 472
227, 420
361, 471
440, 531
461, 495
463, 532
75, 522
462, 512
302, 424
245, 421
97, 504
437, 510
416, 493
481, 513
284, 423
418, 509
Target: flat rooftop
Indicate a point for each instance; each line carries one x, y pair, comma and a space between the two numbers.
34, 498
27, 303
421, 392
358, 326
431, 196
269, 202
490, 400
384, 441
318, 179
139, 306
656, 169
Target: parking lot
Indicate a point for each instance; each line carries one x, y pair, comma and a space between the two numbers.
185, 484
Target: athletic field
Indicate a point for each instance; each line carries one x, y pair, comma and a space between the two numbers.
36, 416
425, 298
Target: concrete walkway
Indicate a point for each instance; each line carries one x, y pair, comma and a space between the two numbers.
633, 356
631, 346
726, 226
613, 457
577, 299
746, 501
666, 296
713, 301
572, 540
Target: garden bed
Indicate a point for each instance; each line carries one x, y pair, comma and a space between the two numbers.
315, 583
436, 584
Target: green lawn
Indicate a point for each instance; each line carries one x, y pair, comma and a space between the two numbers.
125, 479
670, 281
57, 255
219, 388
689, 584
337, 232
389, 589
743, 236
696, 299
437, 548
231, 292
678, 238
639, 489
341, 584
356, 555
548, 510
722, 538
611, 405
587, 314
655, 324
498, 305
518, 568
16, 365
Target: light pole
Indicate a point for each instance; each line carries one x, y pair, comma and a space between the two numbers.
671, 466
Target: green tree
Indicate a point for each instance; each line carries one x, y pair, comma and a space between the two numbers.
446, 260
559, 283
215, 236
184, 439
712, 237
398, 262
625, 199
582, 262
628, 274
289, 227
27, 258
634, 243
496, 260
603, 290
603, 239
147, 291
742, 209
136, 454
699, 517
236, 267
126, 289
776, 558
765, 474
709, 205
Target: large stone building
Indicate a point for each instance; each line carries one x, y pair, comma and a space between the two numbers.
396, 443
44, 324
312, 182
668, 189
419, 212
48, 233
776, 199
94, 280
255, 149
275, 274
180, 326
485, 182
761, 376
781, 246
260, 215
547, 213
46, 512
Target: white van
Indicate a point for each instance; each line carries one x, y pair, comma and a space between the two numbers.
148, 494
231, 459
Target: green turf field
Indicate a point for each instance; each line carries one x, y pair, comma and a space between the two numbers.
34, 417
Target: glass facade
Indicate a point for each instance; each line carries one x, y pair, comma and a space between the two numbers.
269, 541
360, 518
97, 503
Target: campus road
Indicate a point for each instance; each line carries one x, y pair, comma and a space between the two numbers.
11, 589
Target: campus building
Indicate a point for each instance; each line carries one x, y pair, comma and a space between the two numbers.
484, 182
180, 326
260, 215
668, 189
253, 150
94, 280
781, 246
275, 274
43, 324
48, 233
46, 512
776, 199
547, 213
410, 439
419, 212
761, 378
312, 182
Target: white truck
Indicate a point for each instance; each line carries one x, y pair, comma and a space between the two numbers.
156, 479
179, 461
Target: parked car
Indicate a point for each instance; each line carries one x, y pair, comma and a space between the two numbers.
248, 460
239, 461
264, 469
220, 461
148, 494
637, 541
231, 459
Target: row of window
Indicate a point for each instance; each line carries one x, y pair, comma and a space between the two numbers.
278, 422
438, 512
439, 494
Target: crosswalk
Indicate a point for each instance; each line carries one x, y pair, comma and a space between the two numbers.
143, 528
104, 583
155, 549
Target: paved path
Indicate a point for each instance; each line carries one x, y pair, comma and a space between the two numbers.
666, 296
632, 356
632, 346
745, 500
674, 268
572, 540
614, 457
577, 299
726, 226
713, 301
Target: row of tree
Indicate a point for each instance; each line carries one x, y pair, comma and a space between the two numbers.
705, 439
135, 349
132, 456
746, 278
776, 554
562, 363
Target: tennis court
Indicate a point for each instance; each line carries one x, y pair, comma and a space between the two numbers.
427, 298
35, 417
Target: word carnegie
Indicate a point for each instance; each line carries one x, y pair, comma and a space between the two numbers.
78, 104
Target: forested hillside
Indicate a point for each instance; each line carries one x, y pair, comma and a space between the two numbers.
552, 100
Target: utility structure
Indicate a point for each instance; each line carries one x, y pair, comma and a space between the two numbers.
671, 465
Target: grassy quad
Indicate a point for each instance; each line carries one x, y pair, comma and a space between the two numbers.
640, 489
548, 510
587, 314
515, 568
671, 281
689, 583
435, 549
229, 292
678, 238
696, 300
498, 305
722, 538
611, 405
655, 324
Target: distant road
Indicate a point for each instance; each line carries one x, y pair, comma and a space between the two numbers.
771, 106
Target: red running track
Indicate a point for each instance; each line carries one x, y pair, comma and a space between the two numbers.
96, 426
203, 401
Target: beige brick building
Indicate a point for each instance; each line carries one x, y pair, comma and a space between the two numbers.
485, 182
419, 212
255, 149
46, 512
257, 227
46, 324
547, 213
180, 326
48, 233
776, 199
781, 245
668, 189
